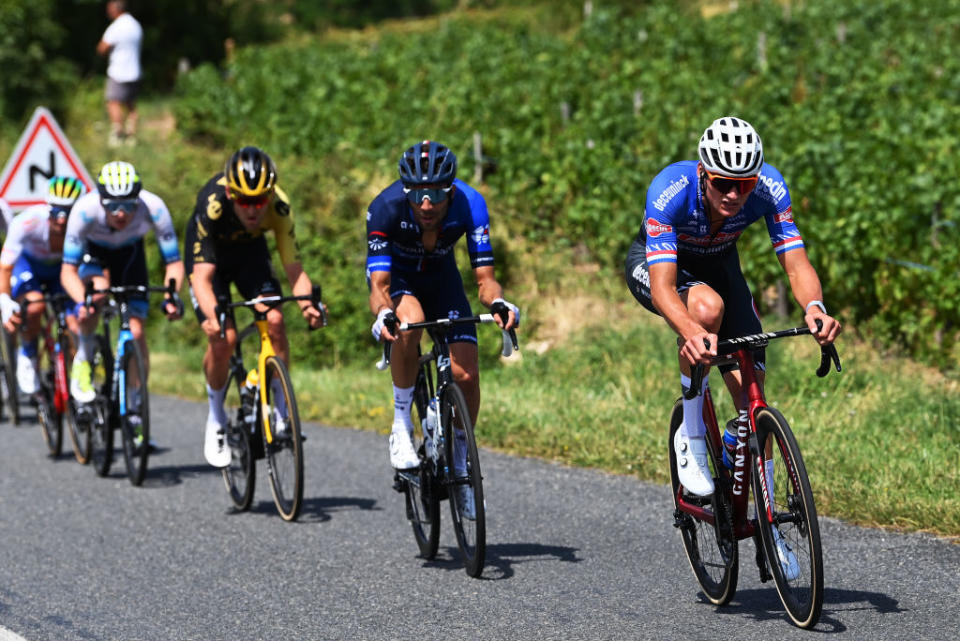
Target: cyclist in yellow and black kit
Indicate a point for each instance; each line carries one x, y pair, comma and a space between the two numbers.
225, 244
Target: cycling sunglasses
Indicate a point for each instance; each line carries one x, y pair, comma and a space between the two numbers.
724, 184
252, 201
126, 204
59, 213
436, 194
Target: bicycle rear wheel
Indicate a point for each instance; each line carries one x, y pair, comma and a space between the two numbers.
10, 391
285, 453
240, 475
100, 423
135, 423
712, 549
468, 512
421, 488
792, 517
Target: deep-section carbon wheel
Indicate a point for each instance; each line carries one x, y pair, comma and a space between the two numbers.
465, 487
101, 423
789, 528
284, 451
240, 475
10, 392
712, 549
135, 424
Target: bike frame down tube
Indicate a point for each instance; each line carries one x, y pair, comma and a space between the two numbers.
119, 373
266, 351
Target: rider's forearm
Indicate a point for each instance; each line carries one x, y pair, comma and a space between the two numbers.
380, 292
668, 303
174, 270
804, 282
6, 271
70, 279
488, 288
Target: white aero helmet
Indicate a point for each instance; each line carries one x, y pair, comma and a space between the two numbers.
731, 147
118, 180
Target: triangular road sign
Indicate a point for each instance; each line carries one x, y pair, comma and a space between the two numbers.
42, 151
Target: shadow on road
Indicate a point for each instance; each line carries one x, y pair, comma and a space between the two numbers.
764, 604
502, 557
318, 509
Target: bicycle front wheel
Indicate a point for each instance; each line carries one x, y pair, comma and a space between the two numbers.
285, 452
240, 475
789, 529
712, 549
421, 491
98, 412
467, 506
51, 422
10, 391
78, 429
135, 422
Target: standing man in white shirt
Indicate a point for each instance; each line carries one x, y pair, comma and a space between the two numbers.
121, 41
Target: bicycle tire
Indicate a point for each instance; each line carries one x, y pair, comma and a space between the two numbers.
422, 497
77, 429
240, 475
471, 532
712, 549
11, 391
135, 424
51, 421
796, 515
285, 454
101, 422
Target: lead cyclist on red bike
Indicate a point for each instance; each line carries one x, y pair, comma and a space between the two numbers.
684, 267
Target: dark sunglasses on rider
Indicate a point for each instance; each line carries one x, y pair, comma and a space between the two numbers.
724, 184
126, 204
252, 201
436, 194
59, 213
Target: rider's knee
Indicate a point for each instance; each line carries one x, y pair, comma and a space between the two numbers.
707, 309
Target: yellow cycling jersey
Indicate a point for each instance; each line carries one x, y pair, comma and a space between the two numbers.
218, 225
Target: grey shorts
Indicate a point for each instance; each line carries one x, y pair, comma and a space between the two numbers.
121, 91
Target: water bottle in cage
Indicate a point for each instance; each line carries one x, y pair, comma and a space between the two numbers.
430, 429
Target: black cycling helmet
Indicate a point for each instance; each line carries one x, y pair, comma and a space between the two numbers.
250, 173
427, 163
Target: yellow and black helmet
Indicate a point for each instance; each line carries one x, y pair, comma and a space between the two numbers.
63, 191
250, 173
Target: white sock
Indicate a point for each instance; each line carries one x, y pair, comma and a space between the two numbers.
693, 425
215, 399
402, 400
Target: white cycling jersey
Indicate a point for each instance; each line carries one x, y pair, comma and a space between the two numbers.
29, 233
88, 224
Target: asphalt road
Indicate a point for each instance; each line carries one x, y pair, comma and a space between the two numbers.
572, 554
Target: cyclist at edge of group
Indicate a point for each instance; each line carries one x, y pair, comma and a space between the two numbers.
684, 266
225, 243
412, 227
104, 245
29, 263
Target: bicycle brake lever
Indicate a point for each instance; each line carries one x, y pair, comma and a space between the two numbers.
696, 380
384, 361
221, 311
828, 353
509, 342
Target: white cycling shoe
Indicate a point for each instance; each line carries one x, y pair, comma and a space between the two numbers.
215, 448
788, 560
27, 379
692, 467
402, 454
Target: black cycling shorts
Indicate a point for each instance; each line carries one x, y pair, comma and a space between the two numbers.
247, 265
720, 273
440, 293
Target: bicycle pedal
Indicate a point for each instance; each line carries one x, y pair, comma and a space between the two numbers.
399, 483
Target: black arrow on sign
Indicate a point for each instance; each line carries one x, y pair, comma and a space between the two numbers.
47, 175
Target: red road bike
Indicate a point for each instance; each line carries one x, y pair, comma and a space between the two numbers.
785, 514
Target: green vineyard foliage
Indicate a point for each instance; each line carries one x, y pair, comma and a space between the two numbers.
858, 104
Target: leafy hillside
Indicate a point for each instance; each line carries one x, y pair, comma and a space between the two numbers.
857, 104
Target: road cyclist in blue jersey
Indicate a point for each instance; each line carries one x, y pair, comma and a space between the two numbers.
684, 266
412, 227
29, 264
104, 244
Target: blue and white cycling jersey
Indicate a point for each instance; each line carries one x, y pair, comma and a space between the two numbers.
394, 239
675, 220
88, 224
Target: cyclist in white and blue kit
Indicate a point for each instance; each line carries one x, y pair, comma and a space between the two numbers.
29, 264
412, 227
684, 266
104, 243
